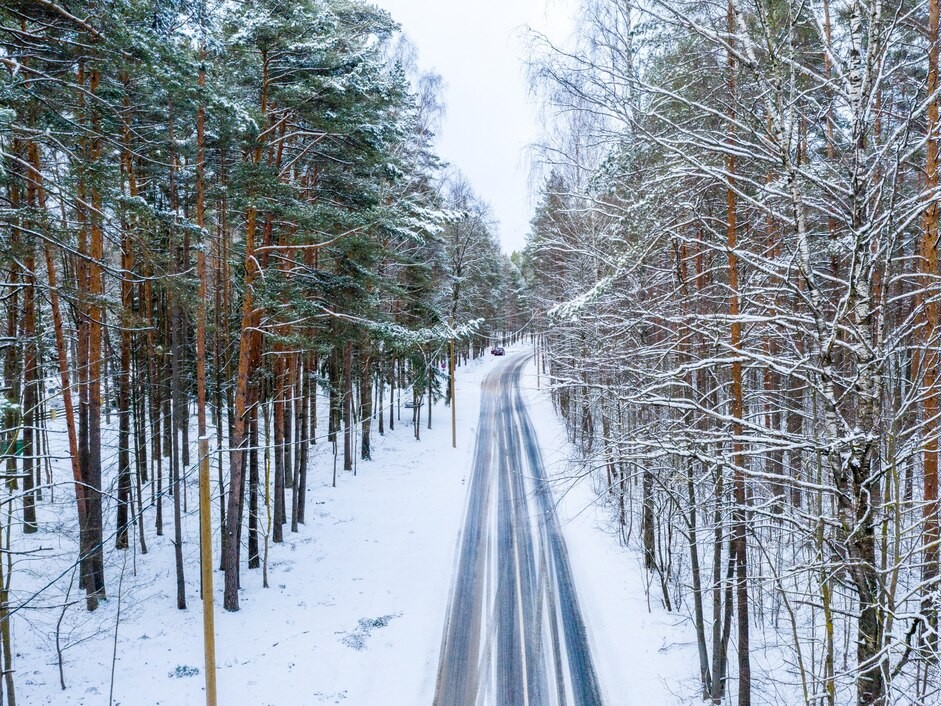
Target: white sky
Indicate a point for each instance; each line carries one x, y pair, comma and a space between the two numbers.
479, 48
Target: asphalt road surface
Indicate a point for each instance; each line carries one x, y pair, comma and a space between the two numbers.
514, 634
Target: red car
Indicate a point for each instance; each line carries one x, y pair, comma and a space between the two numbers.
497, 350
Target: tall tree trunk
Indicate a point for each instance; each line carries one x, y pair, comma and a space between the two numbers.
179, 415
93, 318
221, 360
124, 374
30, 398
246, 359
930, 357
278, 423
64, 377
739, 519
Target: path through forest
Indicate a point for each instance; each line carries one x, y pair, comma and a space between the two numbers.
514, 633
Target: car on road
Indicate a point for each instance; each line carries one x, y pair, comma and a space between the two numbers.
497, 350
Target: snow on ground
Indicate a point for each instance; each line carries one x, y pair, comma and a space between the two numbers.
355, 610
643, 654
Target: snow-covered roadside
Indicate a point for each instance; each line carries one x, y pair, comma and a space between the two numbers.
643, 654
355, 609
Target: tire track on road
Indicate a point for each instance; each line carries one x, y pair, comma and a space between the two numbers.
514, 634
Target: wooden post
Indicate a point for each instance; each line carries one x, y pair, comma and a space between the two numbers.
205, 555
453, 397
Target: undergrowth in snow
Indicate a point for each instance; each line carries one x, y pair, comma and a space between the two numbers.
354, 612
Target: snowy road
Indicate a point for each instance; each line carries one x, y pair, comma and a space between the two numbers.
514, 634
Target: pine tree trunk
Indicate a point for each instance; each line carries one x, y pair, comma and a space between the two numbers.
392, 395
930, 360
254, 560
306, 395
278, 423
94, 316
30, 399
739, 516
246, 360
124, 374
365, 404
348, 406
179, 414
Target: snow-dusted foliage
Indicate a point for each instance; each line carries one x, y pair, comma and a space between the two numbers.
735, 261
222, 209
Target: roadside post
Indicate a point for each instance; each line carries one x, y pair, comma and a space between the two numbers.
205, 556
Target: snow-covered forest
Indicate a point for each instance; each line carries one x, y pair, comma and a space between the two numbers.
735, 267
252, 325
221, 222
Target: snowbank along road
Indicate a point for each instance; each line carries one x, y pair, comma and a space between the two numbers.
514, 634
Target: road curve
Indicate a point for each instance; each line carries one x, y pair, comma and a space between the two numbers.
514, 634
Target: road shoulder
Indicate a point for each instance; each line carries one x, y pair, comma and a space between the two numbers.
641, 652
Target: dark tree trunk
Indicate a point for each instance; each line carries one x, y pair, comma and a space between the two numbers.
30, 398
365, 405
253, 557
304, 395
278, 424
348, 407
647, 523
